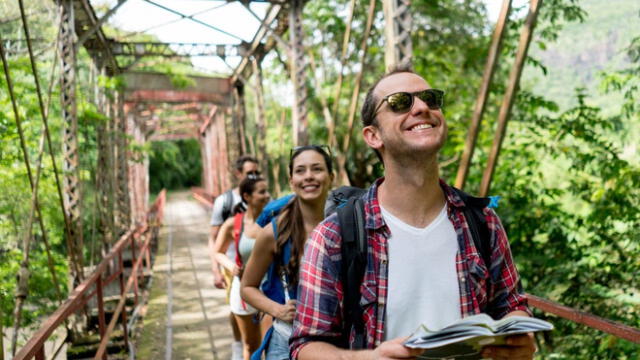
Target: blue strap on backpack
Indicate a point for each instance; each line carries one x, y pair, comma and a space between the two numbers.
272, 285
272, 209
272, 288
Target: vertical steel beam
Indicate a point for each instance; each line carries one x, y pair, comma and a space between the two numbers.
510, 94
122, 169
260, 117
223, 154
483, 94
239, 116
71, 180
205, 154
210, 154
103, 168
138, 180
298, 69
398, 22
112, 127
143, 181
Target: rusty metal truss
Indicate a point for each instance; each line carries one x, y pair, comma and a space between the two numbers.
399, 48
298, 73
94, 40
262, 43
123, 210
175, 49
71, 181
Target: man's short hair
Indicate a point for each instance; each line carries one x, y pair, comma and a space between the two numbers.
367, 113
243, 159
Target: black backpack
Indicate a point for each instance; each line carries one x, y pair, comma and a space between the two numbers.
347, 202
227, 206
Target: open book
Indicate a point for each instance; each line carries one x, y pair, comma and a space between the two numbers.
465, 338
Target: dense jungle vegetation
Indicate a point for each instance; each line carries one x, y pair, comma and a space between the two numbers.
568, 173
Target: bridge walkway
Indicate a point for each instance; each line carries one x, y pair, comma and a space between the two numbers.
186, 317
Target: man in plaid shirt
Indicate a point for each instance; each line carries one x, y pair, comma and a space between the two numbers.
422, 265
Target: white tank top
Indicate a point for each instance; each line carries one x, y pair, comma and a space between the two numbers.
237, 304
423, 282
245, 247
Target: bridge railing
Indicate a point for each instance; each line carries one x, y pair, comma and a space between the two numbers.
595, 322
202, 196
110, 269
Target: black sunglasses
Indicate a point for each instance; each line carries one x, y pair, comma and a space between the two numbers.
254, 173
402, 102
322, 148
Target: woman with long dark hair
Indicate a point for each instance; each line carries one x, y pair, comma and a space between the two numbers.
281, 244
238, 231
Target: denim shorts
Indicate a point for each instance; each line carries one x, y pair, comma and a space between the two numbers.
278, 347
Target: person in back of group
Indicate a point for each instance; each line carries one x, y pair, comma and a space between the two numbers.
222, 209
282, 243
238, 231
422, 264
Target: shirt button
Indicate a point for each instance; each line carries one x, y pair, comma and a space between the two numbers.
462, 279
384, 261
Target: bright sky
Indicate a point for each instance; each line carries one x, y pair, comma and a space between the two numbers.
231, 17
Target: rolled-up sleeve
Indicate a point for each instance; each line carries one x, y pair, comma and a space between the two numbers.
318, 313
507, 294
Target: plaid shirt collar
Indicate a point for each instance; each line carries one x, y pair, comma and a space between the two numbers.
373, 214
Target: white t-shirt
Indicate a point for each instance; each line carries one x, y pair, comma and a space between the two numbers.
423, 282
217, 219
218, 205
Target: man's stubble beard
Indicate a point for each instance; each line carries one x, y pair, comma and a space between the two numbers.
411, 156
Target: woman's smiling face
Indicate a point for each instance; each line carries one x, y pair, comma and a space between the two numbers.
260, 195
310, 178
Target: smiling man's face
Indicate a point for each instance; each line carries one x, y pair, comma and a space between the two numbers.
417, 132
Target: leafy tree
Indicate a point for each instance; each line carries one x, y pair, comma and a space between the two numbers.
174, 165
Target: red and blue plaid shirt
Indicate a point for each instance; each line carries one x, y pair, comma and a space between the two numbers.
320, 293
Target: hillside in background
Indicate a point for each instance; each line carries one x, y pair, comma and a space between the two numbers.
582, 50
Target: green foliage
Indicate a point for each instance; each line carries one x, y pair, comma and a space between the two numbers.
571, 213
174, 165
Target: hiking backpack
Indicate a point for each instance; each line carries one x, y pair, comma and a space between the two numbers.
347, 202
227, 206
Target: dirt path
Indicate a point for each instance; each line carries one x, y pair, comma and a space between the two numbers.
187, 318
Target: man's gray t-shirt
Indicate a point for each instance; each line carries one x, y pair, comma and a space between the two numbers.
218, 205
216, 216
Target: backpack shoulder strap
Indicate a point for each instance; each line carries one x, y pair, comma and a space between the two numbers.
474, 214
238, 227
283, 259
354, 261
227, 206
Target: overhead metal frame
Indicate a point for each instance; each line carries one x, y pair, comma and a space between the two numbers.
97, 44
257, 49
191, 18
176, 49
99, 23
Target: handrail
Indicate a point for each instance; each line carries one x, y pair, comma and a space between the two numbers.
611, 327
82, 294
202, 196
